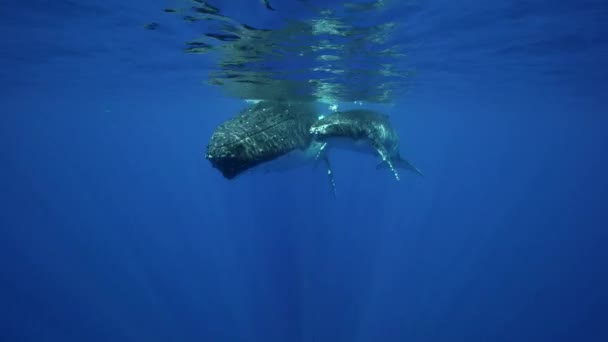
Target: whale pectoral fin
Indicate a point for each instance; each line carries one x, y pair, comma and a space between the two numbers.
322, 154
402, 164
386, 159
330, 174
321, 150
317, 150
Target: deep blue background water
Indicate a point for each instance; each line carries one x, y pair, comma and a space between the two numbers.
113, 226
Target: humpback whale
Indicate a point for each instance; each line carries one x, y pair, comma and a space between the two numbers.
280, 135
261, 133
364, 131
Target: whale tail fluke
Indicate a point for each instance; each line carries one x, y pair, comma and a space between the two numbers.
401, 164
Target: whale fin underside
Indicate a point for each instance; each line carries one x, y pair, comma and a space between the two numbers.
402, 164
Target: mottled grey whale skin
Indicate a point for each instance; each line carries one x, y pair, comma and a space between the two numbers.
259, 134
363, 127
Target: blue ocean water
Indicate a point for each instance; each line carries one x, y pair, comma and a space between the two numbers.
114, 227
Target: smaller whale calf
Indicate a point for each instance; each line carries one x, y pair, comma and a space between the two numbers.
363, 131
